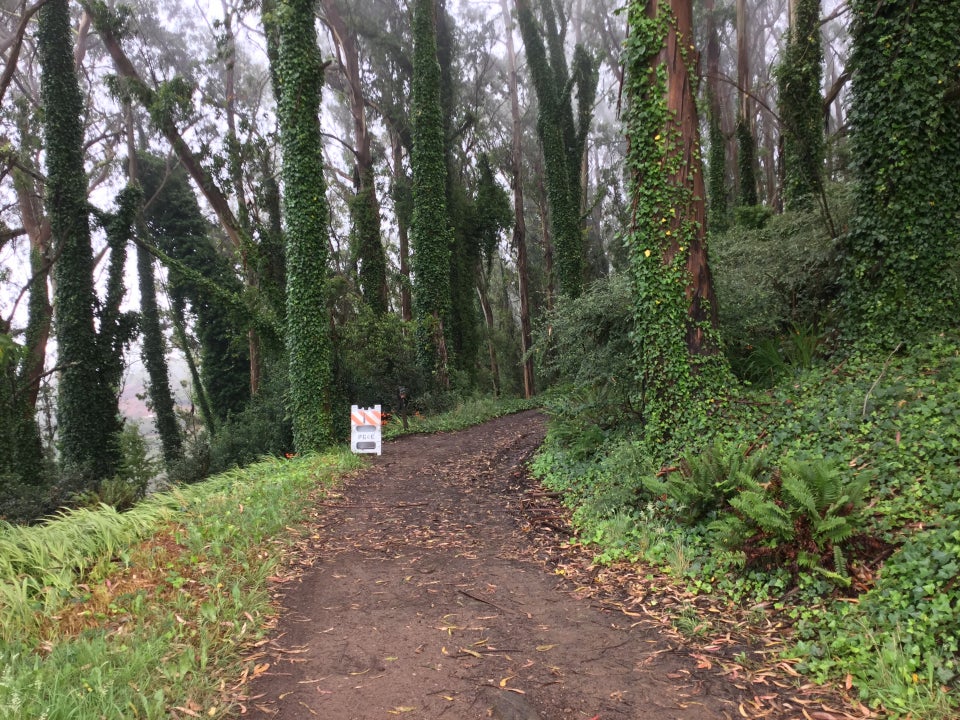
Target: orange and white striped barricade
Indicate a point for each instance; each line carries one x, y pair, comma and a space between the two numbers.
365, 426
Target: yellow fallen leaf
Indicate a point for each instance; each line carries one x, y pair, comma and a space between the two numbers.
401, 709
544, 648
503, 683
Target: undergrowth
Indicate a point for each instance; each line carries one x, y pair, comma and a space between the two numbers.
832, 497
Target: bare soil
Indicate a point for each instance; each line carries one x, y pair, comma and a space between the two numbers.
433, 587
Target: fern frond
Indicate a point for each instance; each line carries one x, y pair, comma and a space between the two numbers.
795, 488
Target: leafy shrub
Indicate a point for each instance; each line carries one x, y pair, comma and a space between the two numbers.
751, 217
137, 470
376, 355
773, 358
584, 346
263, 428
781, 275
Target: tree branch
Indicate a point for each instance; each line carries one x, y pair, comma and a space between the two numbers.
14, 44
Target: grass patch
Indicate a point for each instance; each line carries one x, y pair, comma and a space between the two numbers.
109, 615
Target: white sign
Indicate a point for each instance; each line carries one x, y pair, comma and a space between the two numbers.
365, 424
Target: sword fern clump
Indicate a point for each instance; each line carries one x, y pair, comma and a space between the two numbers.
800, 519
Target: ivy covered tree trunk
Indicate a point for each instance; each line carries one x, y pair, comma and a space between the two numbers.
153, 351
431, 235
365, 205
746, 143
299, 74
717, 161
678, 354
519, 224
205, 279
903, 253
85, 404
801, 107
562, 137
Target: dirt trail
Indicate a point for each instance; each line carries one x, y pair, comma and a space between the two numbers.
427, 597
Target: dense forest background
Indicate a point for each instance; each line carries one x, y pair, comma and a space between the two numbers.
719, 241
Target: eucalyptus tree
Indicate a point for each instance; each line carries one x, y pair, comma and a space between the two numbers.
746, 142
86, 401
678, 355
169, 103
298, 74
200, 277
562, 136
903, 274
717, 155
519, 220
799, 77
365, 205
431, 234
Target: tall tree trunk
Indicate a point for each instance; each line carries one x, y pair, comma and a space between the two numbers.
153, 351
717, 184
86, 407
801, 106
300, 73
520, 224
562, 136
103, 21
482, 289
746, 141
235, 164
431, 235
675, 315
403, 224
39, 309
546, 237
366, 206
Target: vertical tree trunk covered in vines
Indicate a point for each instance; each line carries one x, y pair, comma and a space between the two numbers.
717, 164
402, 196
299, 74
519, 224
180, 230
365, 205
85, 405
903, 252
562, 137
746, 143
678, 353
801, 107
247, 252
431, 235
153, 350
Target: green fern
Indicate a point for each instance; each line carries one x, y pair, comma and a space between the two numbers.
800, 519
706, 481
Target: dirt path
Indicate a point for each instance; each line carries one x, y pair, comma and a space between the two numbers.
427, 597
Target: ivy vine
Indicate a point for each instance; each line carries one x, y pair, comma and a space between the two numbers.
903, 272
676, 384
299, 76
430, 233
